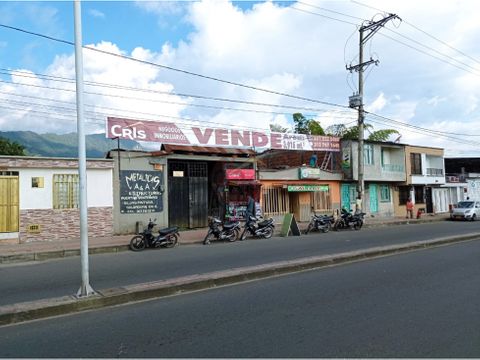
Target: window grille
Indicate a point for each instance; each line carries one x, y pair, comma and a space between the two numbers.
385, 193
275, 201
65, 191
321, 201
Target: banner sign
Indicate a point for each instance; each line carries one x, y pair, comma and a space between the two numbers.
240, 174
141, 192
171, 133
310, 173
310, 188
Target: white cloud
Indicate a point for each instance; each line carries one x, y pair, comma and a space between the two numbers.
276, 47
96, 13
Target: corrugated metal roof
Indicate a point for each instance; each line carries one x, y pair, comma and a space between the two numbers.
206, 150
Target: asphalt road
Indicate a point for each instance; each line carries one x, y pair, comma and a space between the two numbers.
61, 277
417, 304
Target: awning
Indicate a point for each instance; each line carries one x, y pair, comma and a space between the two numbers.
244, 182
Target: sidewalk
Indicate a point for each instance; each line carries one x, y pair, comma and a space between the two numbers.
38, 251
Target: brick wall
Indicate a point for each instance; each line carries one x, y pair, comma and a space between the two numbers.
276, 159
58, 225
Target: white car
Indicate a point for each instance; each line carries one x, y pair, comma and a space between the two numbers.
466, 210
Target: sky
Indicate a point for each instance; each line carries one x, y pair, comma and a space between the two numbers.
426, 84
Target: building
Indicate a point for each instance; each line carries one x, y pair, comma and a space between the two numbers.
181, 185
40, 198
290, 186
425, 172
384, 169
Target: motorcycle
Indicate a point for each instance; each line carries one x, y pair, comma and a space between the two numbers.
167, 237
229, 230
259, 229
321, 223
348, 220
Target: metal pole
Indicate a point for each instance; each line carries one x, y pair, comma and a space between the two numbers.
361, 167
85, 288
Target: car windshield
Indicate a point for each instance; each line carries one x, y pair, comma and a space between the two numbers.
465, 204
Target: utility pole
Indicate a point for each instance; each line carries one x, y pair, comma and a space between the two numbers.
367, 30
85, 288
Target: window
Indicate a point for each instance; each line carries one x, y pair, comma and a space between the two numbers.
275, 201
368, 154
37, 182
416, 163
403, 194
419, 198
65, 191
384, 193
320, 200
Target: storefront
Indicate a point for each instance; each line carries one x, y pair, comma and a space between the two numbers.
300, 191
181, 186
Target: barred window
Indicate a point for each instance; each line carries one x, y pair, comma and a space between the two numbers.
65, 191
384, 193
275, 201
320, 200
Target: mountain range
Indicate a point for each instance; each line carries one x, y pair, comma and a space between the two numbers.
65, 145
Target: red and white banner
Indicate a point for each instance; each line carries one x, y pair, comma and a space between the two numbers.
240, 174
171, 133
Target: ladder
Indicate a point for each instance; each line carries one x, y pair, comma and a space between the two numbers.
326, 161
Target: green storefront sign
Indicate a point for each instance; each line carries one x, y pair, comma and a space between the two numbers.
297, 188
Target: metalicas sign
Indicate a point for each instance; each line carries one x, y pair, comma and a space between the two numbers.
171, 133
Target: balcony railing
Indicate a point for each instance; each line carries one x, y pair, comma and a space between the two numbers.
393, 167
434, 172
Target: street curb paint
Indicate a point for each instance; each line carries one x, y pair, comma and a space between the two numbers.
26, 311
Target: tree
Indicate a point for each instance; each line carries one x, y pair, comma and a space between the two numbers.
302, 125
352, 132
277, 128
8, 147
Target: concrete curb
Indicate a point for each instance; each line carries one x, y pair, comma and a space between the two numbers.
57, 254
26, 311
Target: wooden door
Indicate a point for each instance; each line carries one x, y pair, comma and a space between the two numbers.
9, 204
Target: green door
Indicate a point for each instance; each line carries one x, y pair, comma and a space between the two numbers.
373, 198
346, 196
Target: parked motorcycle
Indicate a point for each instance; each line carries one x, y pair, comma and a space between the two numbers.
258, 228
321, 223
167, 237
348, 220
229, 230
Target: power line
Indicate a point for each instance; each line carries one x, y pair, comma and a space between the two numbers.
324, 16
415, 128
175, 69
429, 35
131, 111
120, 87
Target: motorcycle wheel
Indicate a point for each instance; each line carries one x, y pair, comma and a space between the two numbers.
326, 228
309, 228
244, 234
235, 236
137, 243
268, 233
209, 237
357, 225
171, 241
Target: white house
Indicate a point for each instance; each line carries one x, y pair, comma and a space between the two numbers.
39, 198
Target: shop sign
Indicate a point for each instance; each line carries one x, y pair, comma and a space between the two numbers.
240, 174
183, 134
141, 192
310, 188
310, 173
177, 173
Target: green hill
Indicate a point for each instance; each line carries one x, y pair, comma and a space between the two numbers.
65, 145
